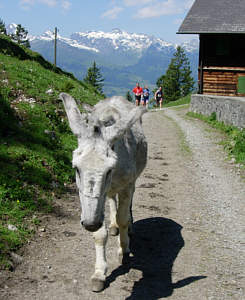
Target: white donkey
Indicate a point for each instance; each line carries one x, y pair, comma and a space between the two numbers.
111, 154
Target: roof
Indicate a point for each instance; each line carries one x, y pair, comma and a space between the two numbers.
215, 16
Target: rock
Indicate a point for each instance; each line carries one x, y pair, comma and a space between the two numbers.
49, 92
17, 259
12, 227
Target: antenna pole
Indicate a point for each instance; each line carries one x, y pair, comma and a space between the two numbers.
55, 45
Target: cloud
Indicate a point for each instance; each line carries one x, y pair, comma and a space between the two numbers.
137, 2
163, 8
112, 13
66, 4
50, 3
27, 4
148, 8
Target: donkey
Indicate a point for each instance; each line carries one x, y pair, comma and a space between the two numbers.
111, 154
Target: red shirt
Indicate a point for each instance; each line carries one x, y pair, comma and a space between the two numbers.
138, 91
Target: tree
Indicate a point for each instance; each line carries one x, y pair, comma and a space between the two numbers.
129, 97
20, 36
95, 78
177, 82
2, 27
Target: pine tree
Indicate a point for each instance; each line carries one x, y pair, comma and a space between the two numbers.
20, 36
2, 27
95, 78
177, 82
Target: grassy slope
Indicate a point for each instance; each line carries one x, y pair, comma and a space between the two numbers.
35, 141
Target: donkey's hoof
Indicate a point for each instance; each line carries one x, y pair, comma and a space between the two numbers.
113, 231
97, 285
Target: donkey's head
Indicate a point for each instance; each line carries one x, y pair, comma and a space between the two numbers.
95, 158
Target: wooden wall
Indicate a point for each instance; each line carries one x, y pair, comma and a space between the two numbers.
221, 62
221, 81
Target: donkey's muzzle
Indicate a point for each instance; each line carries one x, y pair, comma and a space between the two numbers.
91, 227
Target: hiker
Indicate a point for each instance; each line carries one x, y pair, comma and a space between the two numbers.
159, 97
138, 91
145, 96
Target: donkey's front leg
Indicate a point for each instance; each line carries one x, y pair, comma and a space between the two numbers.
124, 221
113, 227
99, 276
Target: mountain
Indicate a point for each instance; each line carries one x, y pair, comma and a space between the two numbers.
123, 57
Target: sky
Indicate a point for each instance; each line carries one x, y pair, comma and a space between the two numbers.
161, 18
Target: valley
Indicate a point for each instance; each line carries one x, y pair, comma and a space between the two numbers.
123, 57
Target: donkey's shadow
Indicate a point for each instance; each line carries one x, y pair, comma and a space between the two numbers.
155, 245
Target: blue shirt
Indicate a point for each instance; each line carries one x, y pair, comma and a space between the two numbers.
146, 94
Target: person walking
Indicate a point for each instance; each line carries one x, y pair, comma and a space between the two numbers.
138, 91
145, 96
159, 97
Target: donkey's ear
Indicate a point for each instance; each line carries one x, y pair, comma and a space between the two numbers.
75, 118
115, 131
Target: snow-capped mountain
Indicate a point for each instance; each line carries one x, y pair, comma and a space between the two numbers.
118, 40
100, 41
123, 57
49, 36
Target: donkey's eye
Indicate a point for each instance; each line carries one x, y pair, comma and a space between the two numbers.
113, 147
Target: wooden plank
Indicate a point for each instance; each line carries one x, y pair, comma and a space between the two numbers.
220, 87
219, 74
224, 68
220, 91
220, 81
224, 84
212, 76
223, 87
219, 94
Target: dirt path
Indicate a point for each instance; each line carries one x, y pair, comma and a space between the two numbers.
189, 240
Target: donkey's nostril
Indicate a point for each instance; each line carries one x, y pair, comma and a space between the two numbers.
91, 227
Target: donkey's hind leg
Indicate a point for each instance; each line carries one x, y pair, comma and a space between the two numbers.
113, 227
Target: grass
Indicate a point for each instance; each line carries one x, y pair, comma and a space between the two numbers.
234, 143
35, 140
181, 101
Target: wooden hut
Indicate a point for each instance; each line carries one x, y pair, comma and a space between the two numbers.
221, 28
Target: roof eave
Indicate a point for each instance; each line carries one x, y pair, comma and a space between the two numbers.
210, 32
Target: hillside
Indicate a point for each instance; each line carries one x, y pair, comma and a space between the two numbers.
36, 143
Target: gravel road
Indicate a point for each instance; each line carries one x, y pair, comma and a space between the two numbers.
189, 233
